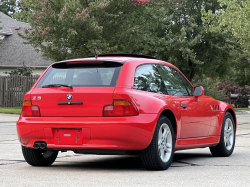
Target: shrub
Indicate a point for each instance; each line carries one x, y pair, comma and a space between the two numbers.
232, 88
24, 71
209, 86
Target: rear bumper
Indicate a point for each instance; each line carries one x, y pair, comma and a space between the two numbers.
119, 133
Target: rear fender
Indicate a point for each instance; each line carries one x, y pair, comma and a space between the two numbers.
150, 103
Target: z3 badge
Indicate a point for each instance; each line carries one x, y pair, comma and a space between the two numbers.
36, 98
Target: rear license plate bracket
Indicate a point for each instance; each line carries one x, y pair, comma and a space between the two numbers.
68, 136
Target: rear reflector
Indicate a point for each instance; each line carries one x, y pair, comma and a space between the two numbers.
30, 110
120, 108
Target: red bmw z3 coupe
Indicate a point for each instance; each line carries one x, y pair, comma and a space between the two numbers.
121, 104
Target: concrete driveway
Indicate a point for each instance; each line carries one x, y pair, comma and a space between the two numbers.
190, 168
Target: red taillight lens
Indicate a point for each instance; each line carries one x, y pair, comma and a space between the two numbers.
120, 108
30, 110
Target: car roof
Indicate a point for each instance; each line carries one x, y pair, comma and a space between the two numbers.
121, 58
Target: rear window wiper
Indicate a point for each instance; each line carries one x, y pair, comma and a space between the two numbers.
57, 85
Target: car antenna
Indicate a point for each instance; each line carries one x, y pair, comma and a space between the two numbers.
96, 55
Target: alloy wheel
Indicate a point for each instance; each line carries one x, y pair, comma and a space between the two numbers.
228, 134
165, 142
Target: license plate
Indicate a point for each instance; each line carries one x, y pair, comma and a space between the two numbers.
68, 136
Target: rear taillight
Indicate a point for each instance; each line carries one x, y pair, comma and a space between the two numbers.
120, 108
30, 110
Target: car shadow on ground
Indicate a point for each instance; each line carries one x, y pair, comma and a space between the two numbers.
191, 156
125, 162
110, 163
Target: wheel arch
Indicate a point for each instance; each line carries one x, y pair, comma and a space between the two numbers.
170, 115
234, 116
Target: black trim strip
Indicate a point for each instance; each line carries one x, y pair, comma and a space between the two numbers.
70, 103
125, 55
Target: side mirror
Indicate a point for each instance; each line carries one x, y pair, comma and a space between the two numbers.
198, 91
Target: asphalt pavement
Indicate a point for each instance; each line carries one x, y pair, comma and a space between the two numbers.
196, 167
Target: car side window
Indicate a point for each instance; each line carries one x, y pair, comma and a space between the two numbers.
188, 85
172, 81
147, 78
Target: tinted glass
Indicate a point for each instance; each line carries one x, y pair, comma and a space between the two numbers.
147, 78
172, 81
81, 77
188, 85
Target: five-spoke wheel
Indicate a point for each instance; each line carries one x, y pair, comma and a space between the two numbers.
165, 142
229, 134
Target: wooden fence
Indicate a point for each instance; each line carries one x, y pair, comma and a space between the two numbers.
13, 89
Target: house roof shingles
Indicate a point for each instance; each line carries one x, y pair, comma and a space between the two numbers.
13, 51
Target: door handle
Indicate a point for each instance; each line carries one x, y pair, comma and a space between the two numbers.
183, 105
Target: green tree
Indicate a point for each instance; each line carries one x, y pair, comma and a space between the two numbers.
25, 10
172, 30
241, 74
187, 44
233, 20
8, 7
66, 29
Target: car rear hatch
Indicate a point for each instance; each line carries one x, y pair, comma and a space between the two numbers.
79, 88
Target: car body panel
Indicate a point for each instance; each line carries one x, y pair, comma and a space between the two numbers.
195, 118
123, 133
92, 103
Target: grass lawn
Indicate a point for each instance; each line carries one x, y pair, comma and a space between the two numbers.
11, 110
240, 109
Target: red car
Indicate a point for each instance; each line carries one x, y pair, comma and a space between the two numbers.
121, 104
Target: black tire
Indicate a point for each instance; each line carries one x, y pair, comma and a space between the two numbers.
38, 157
151, 156
221, 149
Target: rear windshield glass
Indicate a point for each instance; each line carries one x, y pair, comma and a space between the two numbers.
81, 76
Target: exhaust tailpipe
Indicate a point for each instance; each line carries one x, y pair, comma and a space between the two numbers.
40, 145
43, 145
37, 145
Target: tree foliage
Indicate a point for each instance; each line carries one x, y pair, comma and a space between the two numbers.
233, 20
170, 30
66, 29
8, 7
187, 44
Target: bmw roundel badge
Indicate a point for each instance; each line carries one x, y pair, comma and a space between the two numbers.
69, 96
